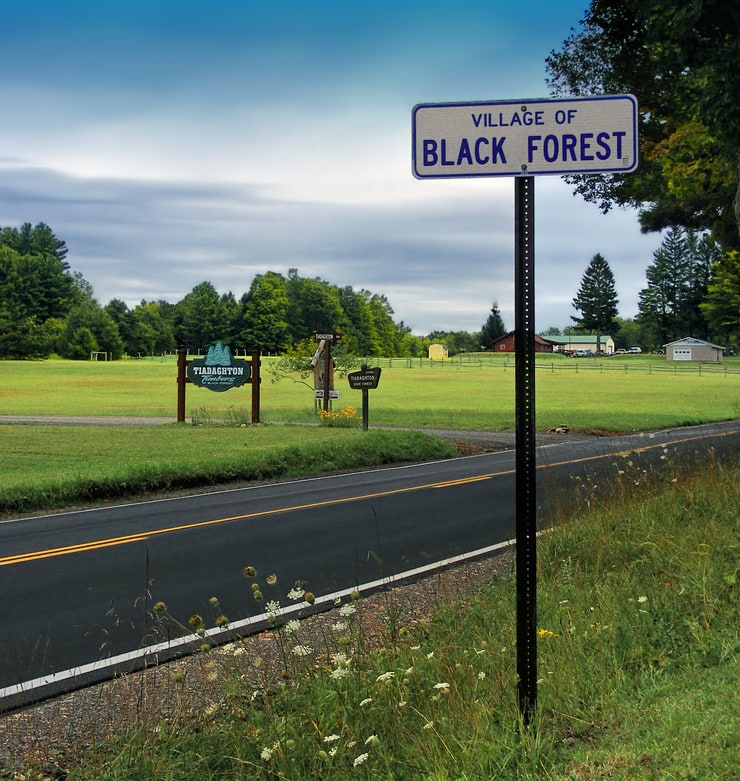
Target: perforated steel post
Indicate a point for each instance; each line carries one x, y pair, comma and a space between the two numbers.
526, 476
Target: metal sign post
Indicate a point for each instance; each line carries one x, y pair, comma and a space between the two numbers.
520, 138
526, 467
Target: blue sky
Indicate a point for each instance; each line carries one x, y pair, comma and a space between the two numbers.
172, 142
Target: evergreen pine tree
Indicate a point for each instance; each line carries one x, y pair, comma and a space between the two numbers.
596, 299
493, 328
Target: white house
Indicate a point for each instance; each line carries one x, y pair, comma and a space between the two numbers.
583, 342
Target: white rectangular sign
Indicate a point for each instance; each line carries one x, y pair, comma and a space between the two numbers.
505, 138
318, 393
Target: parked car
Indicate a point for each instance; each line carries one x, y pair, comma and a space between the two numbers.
620, 351
635, 349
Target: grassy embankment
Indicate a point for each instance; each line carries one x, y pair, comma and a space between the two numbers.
49, 466
637, 609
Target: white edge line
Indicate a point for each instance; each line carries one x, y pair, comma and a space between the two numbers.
253, 621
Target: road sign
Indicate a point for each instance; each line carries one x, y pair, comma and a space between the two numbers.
318, 393
505, 138
366, 379
334, 337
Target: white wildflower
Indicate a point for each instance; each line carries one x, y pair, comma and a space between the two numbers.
347, 610
302, 650
386, 676
360, 759
293, 626
442, 686
366, 701
296, 593
340, 659
331, 738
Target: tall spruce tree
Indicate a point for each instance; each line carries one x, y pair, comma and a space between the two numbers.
677, 282
493, 328
596, 299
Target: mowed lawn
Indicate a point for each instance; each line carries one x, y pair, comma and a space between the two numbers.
614, 396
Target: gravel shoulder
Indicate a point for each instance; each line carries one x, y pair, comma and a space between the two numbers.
46, 740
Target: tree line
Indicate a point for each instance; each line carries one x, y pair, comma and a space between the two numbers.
693, 289
47, 308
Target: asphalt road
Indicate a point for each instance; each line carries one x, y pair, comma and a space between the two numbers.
79, 587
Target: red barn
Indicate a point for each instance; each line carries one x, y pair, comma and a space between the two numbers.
505, 344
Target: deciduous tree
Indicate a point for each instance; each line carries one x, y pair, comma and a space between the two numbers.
263, 317
680, 59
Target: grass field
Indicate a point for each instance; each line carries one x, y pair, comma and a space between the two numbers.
582, 394
50, 466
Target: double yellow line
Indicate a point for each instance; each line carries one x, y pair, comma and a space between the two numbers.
22, 558
82, 547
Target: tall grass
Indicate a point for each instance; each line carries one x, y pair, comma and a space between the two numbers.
637, 668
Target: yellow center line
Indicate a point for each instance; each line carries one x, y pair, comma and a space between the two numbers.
141, 536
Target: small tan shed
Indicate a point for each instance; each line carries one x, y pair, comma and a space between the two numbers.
437, 352
690, 349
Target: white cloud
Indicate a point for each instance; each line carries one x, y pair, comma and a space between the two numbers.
239, 141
